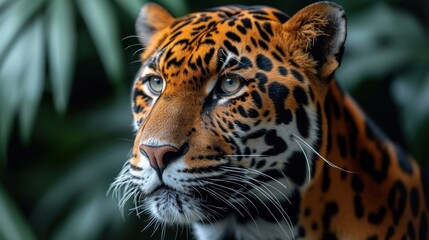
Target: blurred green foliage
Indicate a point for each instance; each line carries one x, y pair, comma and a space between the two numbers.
66, 68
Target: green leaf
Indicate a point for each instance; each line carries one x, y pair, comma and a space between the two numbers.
93, 172
31, 87
411, 91
101, 22
13, 19
88, 220
61, 47
12, 71
3, 5
380, 41
12, 224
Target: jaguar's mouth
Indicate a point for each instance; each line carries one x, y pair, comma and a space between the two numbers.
158, 190
169, 205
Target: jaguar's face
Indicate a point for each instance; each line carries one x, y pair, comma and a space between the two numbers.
227, 113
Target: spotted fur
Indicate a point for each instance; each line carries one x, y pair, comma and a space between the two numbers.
243, 132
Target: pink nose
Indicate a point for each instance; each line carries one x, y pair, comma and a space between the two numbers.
158, 156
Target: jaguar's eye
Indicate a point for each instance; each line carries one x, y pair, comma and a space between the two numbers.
230, 84
155, 84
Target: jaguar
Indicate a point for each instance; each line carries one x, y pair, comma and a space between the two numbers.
243, 132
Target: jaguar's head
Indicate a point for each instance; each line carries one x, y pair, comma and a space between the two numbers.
228, 108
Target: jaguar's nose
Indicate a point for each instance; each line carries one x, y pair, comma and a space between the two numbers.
156, 156
160, 156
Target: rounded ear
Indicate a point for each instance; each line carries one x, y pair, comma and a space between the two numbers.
320, 29
152, 18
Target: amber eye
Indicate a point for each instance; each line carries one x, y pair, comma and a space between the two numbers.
155, 84
230, 84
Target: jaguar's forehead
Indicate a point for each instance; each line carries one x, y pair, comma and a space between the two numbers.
233, 12
197, 23
202, 44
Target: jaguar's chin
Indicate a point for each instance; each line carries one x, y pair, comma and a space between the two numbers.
171, 206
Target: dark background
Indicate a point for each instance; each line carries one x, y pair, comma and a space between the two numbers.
66, 70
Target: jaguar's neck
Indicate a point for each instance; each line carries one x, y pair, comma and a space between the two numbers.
351, 134
256, 229
255, 221
364, 156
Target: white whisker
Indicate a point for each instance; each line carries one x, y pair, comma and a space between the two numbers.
137, 51
238, 192
132, 45
323, 158
266, 193
306, 159
259, 173
133, 36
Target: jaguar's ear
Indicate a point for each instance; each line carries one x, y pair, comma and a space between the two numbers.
152, 18
320, 29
